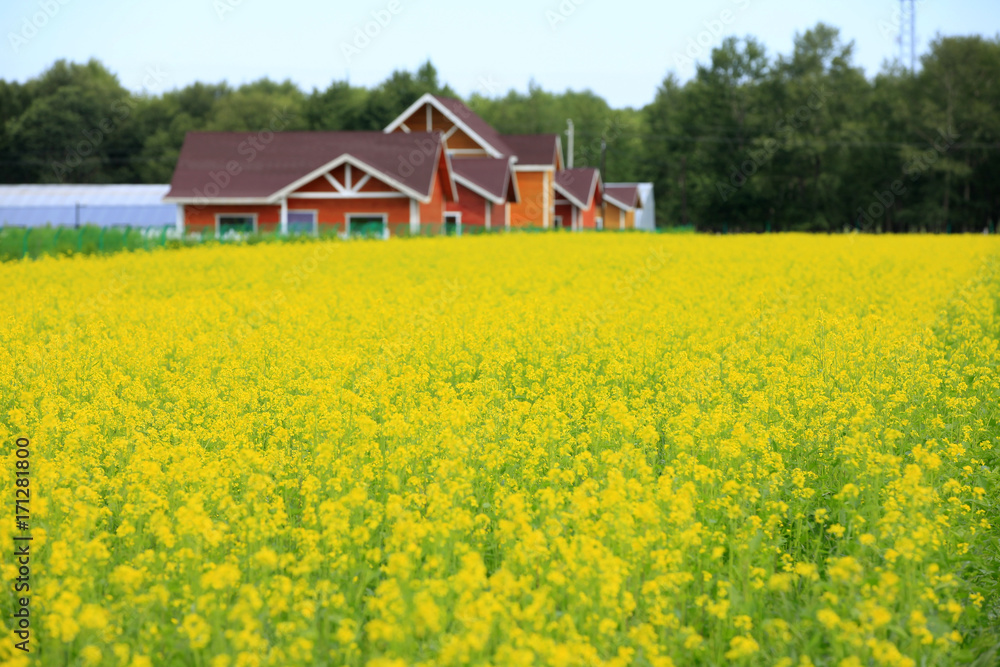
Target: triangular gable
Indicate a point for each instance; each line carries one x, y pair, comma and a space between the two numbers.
320, 184
376, 185
360, 174
347, 179
445, 172
592, 186
430, 112
513, 193
624, 197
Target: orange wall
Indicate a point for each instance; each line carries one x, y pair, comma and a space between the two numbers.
202, 218
584, 219
433, 212
332, 213
614, 217
529, 212
588, 218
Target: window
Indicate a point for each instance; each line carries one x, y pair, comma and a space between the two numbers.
366, 225
237, 222
302, 222
453, 224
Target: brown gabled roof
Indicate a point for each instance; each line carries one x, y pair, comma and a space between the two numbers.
534, 150
475, 123
487, 175
263, 170
623, 196
579, 185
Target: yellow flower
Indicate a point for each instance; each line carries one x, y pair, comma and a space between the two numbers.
506, 449
197, 631
91, 655
741, 647
828, 618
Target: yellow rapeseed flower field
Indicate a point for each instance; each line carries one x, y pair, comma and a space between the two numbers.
510, 450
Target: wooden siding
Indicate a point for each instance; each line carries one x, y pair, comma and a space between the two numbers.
566, 212
373, 184
432, 213
199, 219
530, 211
616, 218
318, 185
332, 213
472, 207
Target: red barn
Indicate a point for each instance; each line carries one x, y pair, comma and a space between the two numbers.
579, 195
313, 182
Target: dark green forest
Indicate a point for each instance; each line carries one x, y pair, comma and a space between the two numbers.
753, 142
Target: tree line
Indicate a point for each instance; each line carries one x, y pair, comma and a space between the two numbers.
753, 142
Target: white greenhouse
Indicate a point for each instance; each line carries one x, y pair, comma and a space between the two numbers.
73, 205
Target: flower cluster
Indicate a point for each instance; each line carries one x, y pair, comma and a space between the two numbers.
565, 450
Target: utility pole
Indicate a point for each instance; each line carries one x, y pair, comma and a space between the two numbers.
569, 149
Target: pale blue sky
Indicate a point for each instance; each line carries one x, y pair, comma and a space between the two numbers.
620, 49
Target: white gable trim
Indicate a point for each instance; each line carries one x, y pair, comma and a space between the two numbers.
478, 190
573, 200
226, 201
512, 178
351, 160
427, 98
334, 182
451, 172
616, 202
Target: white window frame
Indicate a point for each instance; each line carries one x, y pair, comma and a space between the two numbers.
458, 221
384, 216
219, 216
314, 211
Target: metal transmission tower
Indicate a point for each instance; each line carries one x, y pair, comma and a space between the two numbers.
908, 33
